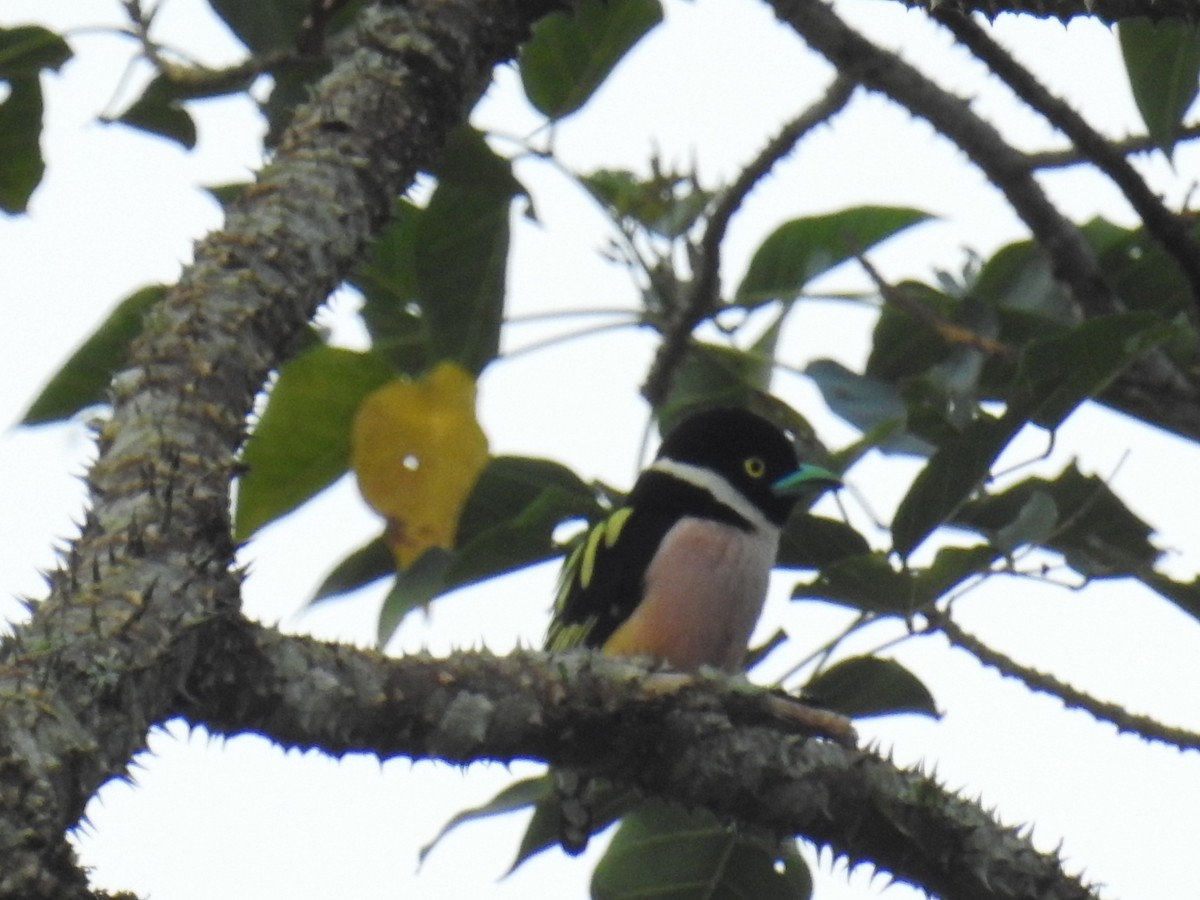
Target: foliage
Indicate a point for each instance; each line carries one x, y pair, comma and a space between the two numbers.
957, 369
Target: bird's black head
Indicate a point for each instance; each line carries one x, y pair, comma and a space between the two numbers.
756, 457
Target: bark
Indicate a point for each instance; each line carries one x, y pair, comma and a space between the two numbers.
106, 655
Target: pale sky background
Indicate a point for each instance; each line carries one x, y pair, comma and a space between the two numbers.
241, 819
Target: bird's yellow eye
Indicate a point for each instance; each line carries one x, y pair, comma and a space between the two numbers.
754, 466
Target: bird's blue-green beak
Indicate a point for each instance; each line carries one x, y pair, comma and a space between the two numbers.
804, 478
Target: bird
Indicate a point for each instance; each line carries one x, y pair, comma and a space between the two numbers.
679, 572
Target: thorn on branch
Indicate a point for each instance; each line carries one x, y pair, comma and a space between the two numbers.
1042, 682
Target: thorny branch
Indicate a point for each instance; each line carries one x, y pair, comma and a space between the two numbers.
703, 297
1072, 698
1163, 225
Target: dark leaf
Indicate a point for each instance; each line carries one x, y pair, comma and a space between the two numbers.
869, 404
508, 522
813, 542
1017, 279
1033, 524
509, 486
24, 52
800, 250
952, 474
570, 54
28, 49
870, 686
712, 375
1059, 372
301, 443
902, 345
1162, 60
664, 851
1185, 595
391, 308
368, 563
757, 654
21, 164
1095, 531
264, 25
414, 588
460, 252
160, 111
83, 379
545, 827
867, 583
950, 567
517, 796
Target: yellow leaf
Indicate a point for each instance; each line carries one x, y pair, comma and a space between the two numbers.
416, 450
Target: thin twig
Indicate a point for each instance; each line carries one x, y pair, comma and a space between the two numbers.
704, 295
1073, 156
940, 325
1163, 225
1125, 721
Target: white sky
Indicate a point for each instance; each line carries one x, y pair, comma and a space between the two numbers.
241, 819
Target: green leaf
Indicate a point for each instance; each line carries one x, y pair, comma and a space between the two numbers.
264, 25
517, 796
869, 404
1016, 278
813, 542
1094, 530
21, 163
863, 686
368, 563
508, 522
414, 588
1033, 524
570, 54
24, 52
28, 49
712, 375
301, 443
460, 252
1185, 595
665, 852
800, 250
867, 582
388, 282
84, 378
1163, 63
952, 474
950, 567
1057, 373
607, 804
160, 111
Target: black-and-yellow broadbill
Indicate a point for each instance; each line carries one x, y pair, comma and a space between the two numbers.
679, 572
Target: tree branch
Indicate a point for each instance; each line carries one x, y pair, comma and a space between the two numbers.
105, 655
1107, 11
702, 741
1071, 156
1164, 226
1042, 682
704, 295
1152, 387
1072, 260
